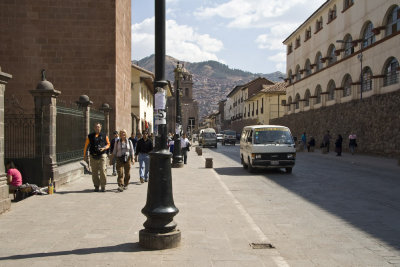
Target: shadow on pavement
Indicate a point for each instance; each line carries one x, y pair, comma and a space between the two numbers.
367, 197
126, 247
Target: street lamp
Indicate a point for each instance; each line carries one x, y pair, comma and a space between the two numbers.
360, 57
177, 160
160, 229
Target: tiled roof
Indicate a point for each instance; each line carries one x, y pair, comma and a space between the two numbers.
277, 87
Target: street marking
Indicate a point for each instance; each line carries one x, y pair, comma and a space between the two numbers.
277, 258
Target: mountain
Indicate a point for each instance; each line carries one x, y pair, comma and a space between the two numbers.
212, 80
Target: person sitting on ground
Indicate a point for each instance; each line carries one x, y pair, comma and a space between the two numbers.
311, 144
14, 177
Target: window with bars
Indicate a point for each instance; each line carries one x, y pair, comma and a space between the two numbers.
368, 36
393, 22
391, 73
366, 80
347, 86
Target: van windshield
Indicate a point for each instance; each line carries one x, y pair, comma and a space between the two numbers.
230, 133
273, 136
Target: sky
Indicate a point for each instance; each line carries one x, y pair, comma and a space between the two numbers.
243, 34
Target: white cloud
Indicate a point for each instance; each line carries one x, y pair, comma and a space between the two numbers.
182, 42
273, 39
251, 13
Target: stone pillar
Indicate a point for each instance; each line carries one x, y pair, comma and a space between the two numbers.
85, 103
106, 109
45, 128
5, 201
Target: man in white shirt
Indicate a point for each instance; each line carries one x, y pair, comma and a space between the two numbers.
185, 144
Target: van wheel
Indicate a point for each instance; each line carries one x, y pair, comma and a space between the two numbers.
250, 167
243, 164
288, 170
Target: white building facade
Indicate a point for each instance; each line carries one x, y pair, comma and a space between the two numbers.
341, 42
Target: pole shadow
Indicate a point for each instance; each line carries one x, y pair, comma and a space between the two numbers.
125, 247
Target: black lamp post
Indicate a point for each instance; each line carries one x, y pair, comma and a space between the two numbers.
177, 160
160, 229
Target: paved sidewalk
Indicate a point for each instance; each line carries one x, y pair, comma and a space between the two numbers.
78, 227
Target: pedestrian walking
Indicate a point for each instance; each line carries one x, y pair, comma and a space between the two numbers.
185, 147
338, 145
134, 140
98, 144
113, 162
311, 144
326, 141
352, 143
304, 140
143, 148
124, 154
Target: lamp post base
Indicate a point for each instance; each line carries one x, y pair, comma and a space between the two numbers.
158, 241
177, 164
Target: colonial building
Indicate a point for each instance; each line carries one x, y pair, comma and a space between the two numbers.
142, 88
237, 106
341, 42
266, 104
189, 107
85, 47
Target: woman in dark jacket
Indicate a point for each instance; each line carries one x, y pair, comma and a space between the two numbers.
338, 145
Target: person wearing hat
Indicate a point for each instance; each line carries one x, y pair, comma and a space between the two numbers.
113, 162
143, 148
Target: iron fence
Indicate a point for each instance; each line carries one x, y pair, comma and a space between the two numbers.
70, 137
19, 136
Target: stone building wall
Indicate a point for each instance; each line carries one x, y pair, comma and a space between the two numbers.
76, 42
238, 125
375, 120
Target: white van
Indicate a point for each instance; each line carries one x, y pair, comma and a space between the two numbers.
267, 146
208, 137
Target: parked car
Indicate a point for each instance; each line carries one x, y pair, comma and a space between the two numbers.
229, 137
220, 137
267, 146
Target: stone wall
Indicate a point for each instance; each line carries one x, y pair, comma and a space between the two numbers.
238, 125
375, 120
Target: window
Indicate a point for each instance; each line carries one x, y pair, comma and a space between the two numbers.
297, 42
245, 112
252, 113
332, 14
368, 35
307, 98
348, 46
187, 92
366, 84
318, 91
391, 73
307, 68
331, 55
347, 85
308, 34
347, 4
331, 90
248, 113
318, 25
298, 75
262, 105
289, 49
290, 76
257, 108
393, 22
297, 101
289, 102
318, 61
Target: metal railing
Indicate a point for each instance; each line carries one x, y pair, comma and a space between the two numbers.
19, 136
70, 136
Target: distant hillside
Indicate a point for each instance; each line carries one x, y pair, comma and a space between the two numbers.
212, 80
